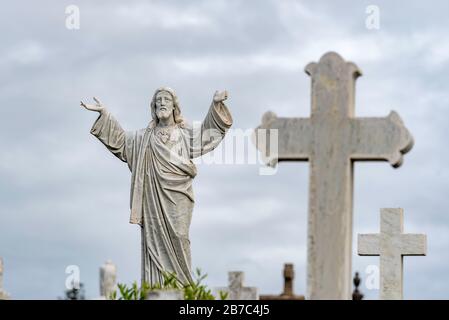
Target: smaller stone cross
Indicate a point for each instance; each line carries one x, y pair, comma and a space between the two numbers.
391, 244
236, 290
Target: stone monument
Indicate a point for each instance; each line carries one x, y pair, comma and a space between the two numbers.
236, 290
159, 157
332, 139
391, 244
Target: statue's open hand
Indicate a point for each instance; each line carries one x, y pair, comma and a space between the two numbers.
220, 96
98, 106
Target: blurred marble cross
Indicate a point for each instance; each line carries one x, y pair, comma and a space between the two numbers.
391, 244
236, 290
331, 140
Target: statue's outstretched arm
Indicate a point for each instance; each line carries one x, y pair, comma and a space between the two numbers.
98, 106
213, 128
108, 130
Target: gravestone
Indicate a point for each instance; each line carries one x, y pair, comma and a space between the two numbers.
108, 279
391, 244
332, 139
3, 294
236, 290
288, 293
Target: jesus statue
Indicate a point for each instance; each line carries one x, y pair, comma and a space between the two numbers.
160, 160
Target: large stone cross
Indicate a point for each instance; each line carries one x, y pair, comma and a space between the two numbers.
391, 245
331, 140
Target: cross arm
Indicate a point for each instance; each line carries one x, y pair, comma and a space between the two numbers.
380, 139
283, 139
368, 245
413, 244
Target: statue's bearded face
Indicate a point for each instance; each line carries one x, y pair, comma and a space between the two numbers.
164, 105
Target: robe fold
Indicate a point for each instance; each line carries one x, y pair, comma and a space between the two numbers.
161, 197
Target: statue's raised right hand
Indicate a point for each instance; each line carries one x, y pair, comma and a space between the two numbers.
98, 106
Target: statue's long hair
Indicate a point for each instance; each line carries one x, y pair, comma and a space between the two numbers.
176, 109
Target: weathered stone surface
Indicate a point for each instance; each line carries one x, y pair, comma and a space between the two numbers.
391, 245
165, 295
331, 140
108, 279
236, 290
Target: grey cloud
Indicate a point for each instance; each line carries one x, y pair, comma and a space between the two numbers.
65, 199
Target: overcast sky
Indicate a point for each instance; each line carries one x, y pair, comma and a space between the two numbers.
65, 198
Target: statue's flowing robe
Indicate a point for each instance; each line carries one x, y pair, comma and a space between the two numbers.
161, 184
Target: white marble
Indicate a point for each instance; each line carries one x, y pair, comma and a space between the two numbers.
331, 140
236, 290
391, 245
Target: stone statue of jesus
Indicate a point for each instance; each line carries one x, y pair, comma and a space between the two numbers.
160, 160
